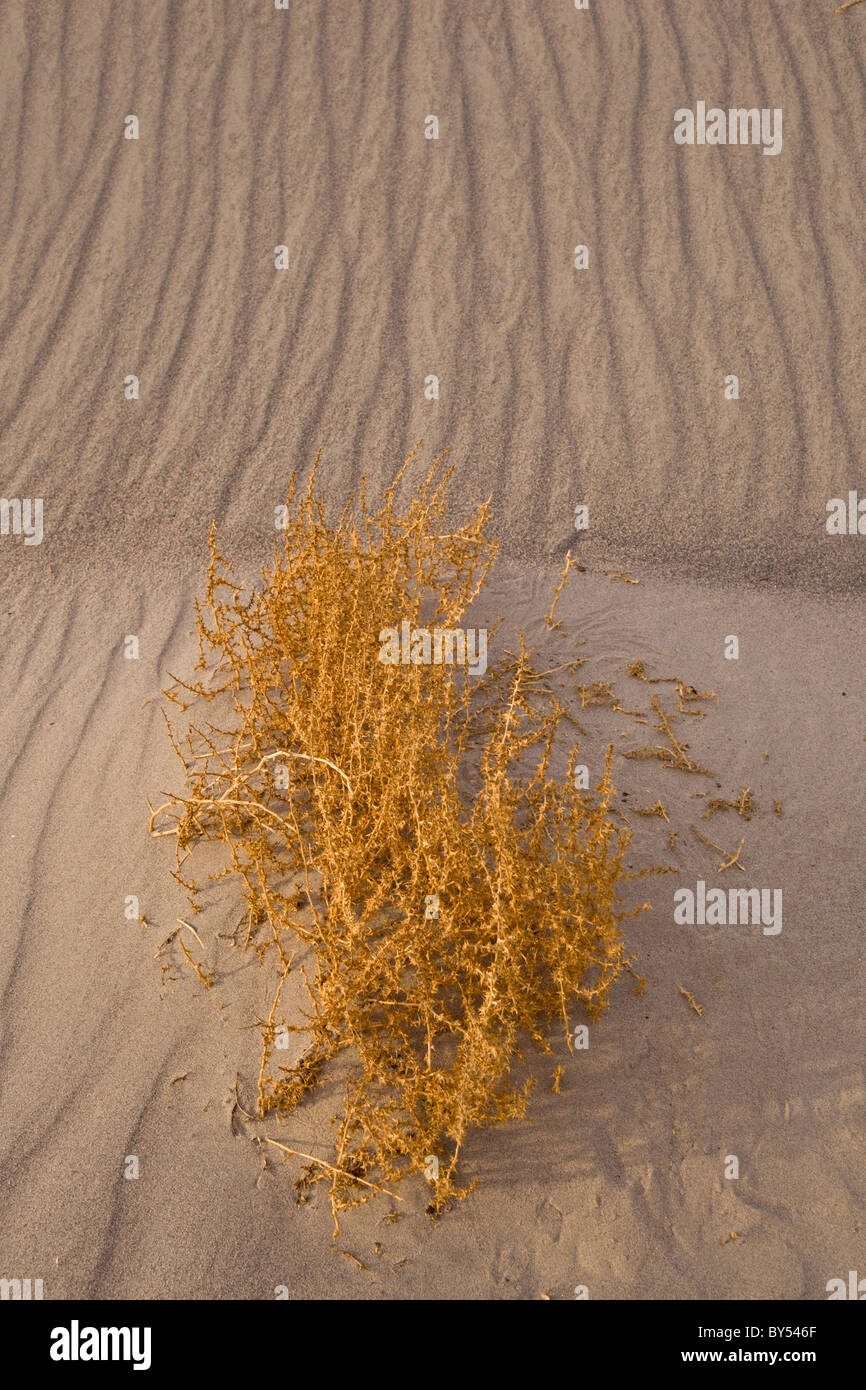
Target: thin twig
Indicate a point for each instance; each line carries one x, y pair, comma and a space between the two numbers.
311, 1158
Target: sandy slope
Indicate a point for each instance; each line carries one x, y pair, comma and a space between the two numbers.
411, 257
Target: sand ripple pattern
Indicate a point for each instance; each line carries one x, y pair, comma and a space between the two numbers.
452, 257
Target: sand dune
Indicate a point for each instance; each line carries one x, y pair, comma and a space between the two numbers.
408, 258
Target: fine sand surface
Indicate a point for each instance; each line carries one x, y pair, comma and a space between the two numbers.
407, 258
618, 1183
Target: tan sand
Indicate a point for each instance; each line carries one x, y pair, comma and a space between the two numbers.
409, 258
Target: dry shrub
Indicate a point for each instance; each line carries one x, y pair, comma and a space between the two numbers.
444, 894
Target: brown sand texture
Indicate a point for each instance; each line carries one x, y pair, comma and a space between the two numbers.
408, 258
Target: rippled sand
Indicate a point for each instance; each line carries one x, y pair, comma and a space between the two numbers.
410, 258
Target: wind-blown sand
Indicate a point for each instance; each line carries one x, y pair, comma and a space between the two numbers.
407, 258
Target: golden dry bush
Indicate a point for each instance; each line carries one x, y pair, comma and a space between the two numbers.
397, 835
